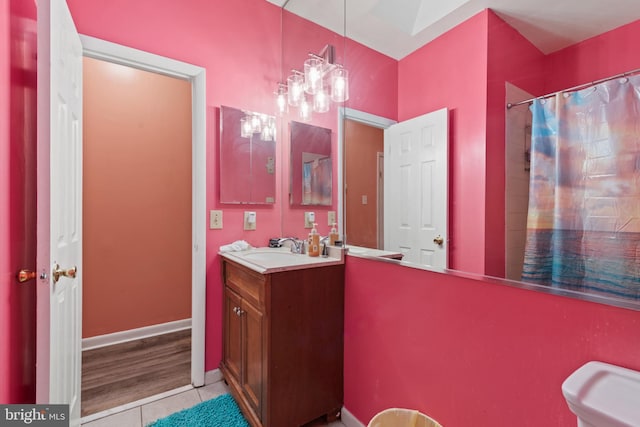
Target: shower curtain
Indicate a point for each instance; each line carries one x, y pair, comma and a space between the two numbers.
583, 224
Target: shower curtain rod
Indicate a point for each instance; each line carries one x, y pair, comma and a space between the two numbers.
582, 86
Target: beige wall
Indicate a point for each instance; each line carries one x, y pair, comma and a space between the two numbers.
137, 198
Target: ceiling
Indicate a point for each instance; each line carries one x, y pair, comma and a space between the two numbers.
398, 27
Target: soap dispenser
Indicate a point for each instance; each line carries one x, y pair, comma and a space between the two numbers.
313, 248
333, 235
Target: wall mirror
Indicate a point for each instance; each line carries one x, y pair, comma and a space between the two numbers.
461, 178
310, 165
247, 157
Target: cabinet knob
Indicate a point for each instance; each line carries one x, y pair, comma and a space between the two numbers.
238, 311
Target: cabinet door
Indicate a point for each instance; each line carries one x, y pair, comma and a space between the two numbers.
233, 332
252, 377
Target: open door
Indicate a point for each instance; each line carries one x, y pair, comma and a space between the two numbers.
59, 222
416, 189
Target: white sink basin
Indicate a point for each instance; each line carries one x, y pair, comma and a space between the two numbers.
271, 260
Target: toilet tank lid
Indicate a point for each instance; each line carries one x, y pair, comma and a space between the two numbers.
604, 394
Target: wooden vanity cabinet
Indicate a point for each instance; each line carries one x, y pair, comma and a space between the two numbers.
283, 343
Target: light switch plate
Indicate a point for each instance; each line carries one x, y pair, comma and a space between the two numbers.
331, 218
249, 220
215, 220
309, 219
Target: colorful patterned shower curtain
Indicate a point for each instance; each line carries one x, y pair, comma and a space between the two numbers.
583, 226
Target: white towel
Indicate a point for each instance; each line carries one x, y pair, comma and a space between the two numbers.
238, 245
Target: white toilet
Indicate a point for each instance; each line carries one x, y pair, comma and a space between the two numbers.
604, 395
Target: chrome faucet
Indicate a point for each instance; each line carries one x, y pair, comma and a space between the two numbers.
297, 246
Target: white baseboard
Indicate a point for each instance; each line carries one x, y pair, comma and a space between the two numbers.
348, 419
134, 334
211, 377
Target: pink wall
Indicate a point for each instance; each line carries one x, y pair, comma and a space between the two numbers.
373, 81
451, 72
137, 198
468, 352
17, 200
599, 57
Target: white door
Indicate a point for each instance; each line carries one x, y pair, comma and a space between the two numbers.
416, 189
60, 204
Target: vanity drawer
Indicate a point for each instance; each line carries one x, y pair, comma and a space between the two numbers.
249, 284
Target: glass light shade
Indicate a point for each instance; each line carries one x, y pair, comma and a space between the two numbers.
339, 84
295, 89
321, 101
281, 100
245, 127
272, 127
256, 123
312, 75
305, 110
267, 133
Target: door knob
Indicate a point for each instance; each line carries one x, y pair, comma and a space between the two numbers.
438, 240
25, 275
58, 272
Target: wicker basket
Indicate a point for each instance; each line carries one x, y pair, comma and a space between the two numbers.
399, 417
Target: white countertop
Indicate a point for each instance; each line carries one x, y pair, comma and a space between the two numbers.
273, 260
369, 252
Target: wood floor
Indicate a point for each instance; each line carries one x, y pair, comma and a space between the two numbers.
123, 373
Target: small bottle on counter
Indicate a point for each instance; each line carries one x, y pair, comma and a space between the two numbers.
333, 235
313, 248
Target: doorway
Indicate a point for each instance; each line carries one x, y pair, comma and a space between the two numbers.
357, 195
136, 233
415, 200
363, 184
172, 303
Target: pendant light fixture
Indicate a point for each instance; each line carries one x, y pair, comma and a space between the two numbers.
257, 123
312, 90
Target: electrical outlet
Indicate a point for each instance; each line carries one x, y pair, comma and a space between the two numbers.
249, 220
215, 220
309, 219
331, 218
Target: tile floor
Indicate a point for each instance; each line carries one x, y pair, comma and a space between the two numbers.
142, 415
